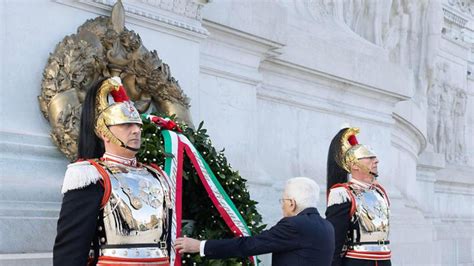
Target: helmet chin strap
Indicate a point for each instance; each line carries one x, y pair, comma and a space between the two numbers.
124, 145
128, 147
367, 170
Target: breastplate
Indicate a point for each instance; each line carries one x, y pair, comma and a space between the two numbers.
372, 214
135, 214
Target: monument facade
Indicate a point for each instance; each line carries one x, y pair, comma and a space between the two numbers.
273, 81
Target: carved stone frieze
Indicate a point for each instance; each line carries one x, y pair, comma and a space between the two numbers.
183, 14
465, 6
188, 8
152, 9
456, 27
101, 48
454, 18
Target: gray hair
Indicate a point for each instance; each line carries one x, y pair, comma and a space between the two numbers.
304, 191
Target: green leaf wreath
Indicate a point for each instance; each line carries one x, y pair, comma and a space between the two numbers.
197, 206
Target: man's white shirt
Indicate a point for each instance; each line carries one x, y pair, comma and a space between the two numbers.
201, 248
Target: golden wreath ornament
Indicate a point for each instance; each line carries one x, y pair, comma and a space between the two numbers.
103, 47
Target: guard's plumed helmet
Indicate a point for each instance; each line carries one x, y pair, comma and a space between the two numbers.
113, 107
344, 152
351, 151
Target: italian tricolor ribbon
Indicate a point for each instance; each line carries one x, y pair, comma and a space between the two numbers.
176, 144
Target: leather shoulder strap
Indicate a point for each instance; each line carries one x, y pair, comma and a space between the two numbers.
105, 182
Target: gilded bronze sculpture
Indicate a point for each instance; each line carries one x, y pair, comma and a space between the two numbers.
103, 47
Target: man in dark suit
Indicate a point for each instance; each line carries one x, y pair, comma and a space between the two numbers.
302, 237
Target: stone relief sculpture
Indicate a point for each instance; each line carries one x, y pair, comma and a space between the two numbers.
367, 18
433, 113
101, 48
432, 26
413, 39
409, 30
446, 116
434, 101
460, 126
397, 34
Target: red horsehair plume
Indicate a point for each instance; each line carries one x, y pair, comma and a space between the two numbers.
120, 95
353, 140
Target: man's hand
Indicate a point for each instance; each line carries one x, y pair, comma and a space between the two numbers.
187, 245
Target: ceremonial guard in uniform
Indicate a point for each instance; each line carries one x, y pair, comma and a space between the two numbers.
357, 205
115, 211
